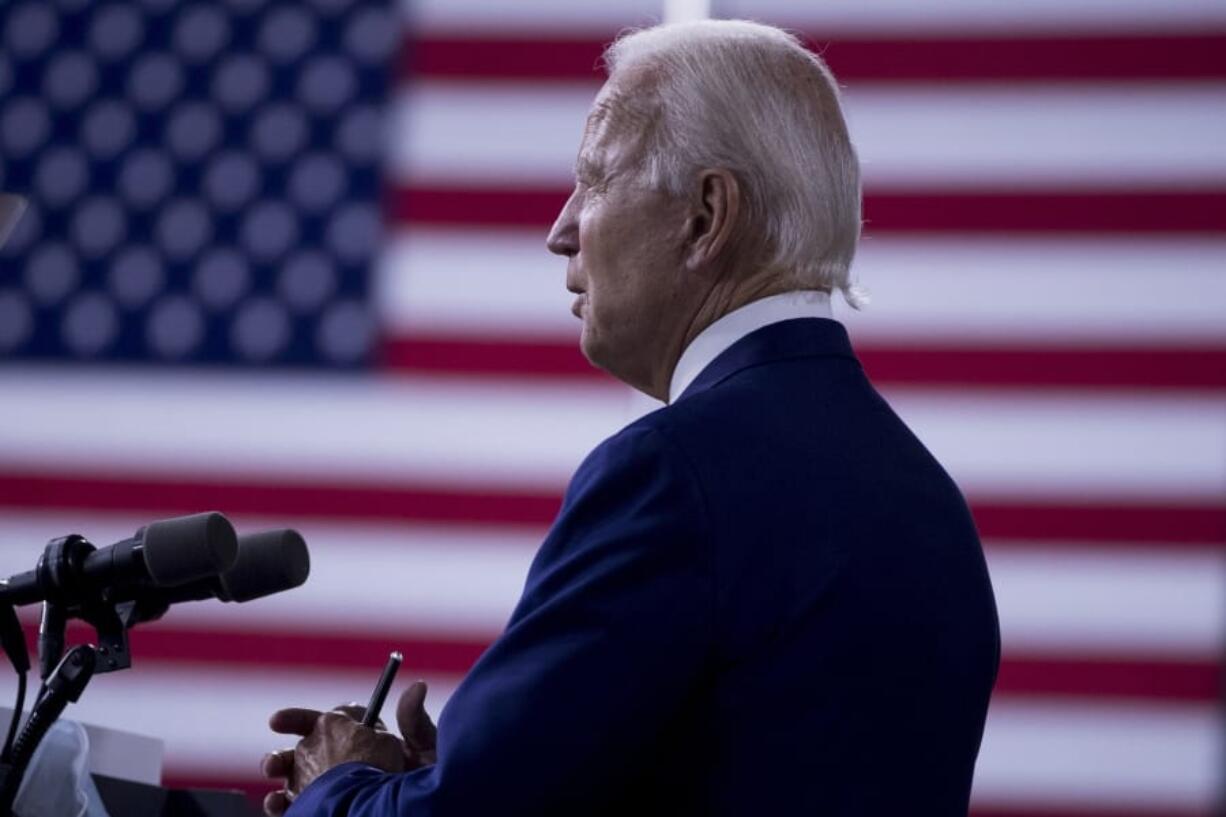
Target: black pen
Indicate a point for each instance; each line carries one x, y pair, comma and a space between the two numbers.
380, 694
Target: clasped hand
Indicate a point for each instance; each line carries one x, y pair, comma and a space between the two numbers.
329, 739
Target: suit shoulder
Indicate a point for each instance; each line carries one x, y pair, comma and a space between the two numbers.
642, 445
703, 416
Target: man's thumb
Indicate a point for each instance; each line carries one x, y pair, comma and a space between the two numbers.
415, 724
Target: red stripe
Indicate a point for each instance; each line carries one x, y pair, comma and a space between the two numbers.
1084, 810
488, 357
1111, 678
992, 59
963, 365
351, 500
1117, 677
163, 642
1102, 522
1202, 367
255, 788
885, 211
1109, 523
1018, 59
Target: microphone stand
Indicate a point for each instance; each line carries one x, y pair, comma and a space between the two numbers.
271, 562
64, 676
65, 685
111, 619
13, 639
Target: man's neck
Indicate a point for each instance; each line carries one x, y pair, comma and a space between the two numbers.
730, 328
725, 297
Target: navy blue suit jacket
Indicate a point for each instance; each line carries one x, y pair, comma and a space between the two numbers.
767, 598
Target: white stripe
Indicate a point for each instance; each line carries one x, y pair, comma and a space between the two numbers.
1042, 291
948, 16
529, 17
308, 427
458, 282
1081, 753
303, 427
504, 283
1133, 136
1041, 16
443, 582
365, 577
214, 723
1075, 446
680, 11
1081, 602
1105, 136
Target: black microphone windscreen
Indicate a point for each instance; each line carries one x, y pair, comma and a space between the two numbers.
267, 563
187, 548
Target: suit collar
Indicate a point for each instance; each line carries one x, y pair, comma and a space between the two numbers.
785, 340
723, 333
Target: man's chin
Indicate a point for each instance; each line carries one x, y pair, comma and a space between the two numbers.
589, 345
596, 350
602, 357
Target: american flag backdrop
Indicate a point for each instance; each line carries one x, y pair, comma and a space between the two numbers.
286, 261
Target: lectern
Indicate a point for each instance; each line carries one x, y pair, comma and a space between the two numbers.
126, 771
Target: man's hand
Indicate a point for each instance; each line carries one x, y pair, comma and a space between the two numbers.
332, 738
420, 734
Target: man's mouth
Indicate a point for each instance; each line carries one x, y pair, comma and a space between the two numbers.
576, 308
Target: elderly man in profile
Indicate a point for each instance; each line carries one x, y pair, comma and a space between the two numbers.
764, 598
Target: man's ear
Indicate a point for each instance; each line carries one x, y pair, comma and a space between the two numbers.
715, 219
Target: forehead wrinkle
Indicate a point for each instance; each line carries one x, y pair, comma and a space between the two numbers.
618, 112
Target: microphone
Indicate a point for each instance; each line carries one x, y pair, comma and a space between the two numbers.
268, 562
167, 553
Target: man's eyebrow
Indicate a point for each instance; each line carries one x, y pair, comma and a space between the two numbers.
586, 168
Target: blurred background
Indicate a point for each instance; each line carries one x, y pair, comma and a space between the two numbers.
285, 260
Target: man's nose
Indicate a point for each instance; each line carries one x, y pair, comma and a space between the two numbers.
563, 238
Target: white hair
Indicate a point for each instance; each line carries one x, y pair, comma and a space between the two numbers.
750, 98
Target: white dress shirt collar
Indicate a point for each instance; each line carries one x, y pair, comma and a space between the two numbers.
738, 323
